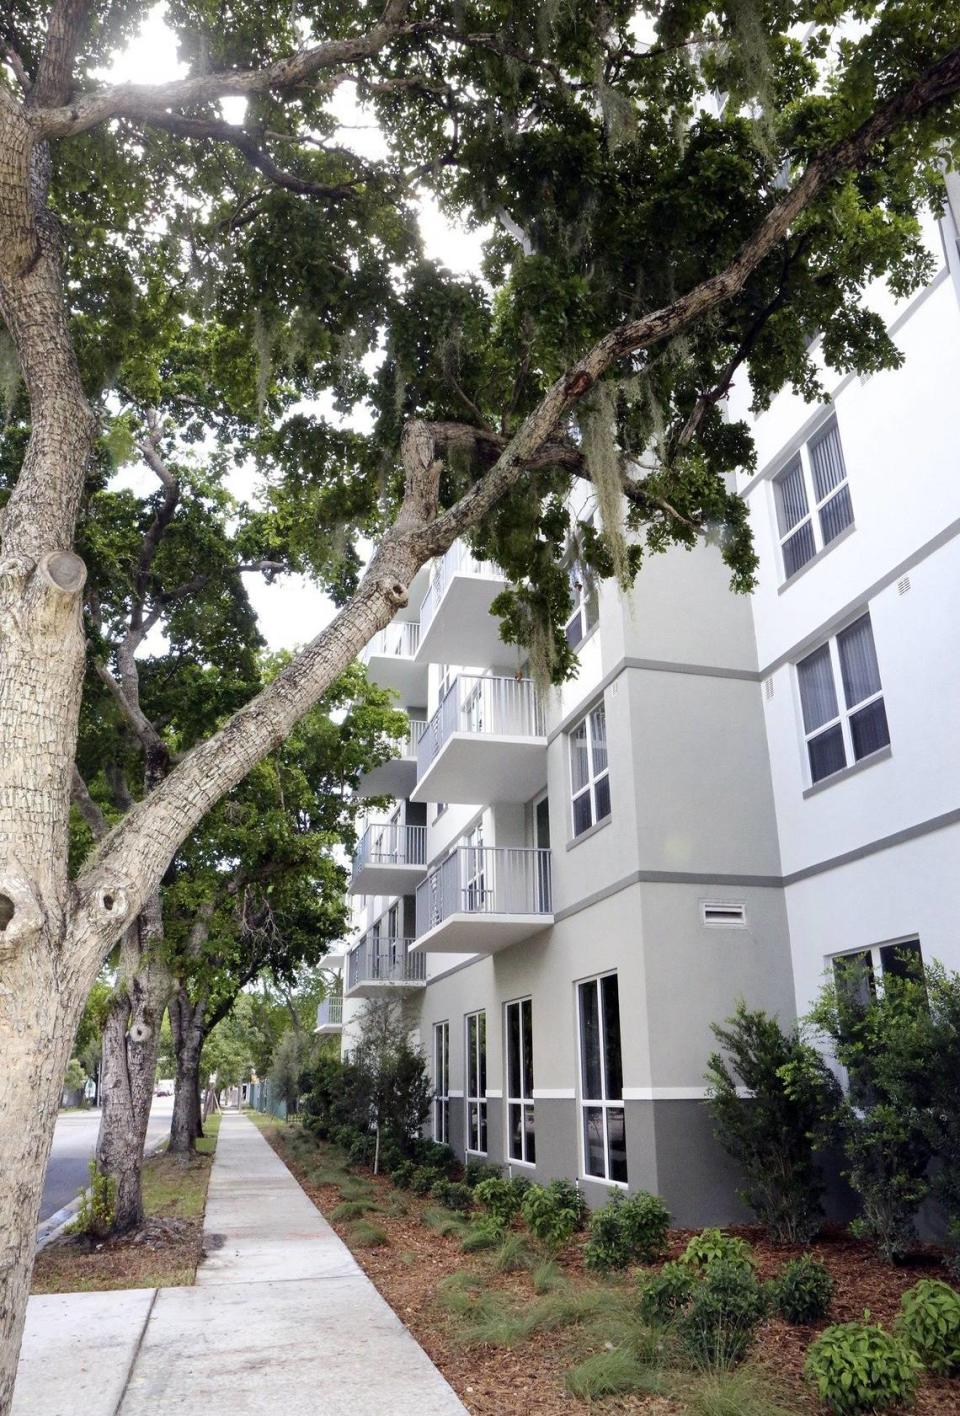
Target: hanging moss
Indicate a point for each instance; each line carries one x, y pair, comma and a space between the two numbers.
598, 432
263, 347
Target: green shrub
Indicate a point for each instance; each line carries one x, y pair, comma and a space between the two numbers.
436, 1156
402, 1174
717, 1326
645, 1219
361, 1149
713, 1246
803, 1290
664, 1294
551, 1214
500, 1198
930, 1324
608, 1246
458, 1197
476, 1170
423, 1179
859, 1367
571, 1197
484, 1234
98, 1205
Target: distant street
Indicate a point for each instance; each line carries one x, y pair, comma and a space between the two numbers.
74, 1142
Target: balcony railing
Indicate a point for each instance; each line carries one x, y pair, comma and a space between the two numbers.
505, 707
458, 560
485, 880
387, 843
385, 960
408, 745
330, 1011
399, 640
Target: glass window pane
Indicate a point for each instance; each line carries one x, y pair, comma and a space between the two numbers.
473, 1127
826, 462
472, 1056
482, 1143
529, 1135
598, 737
610, 994
617, 1142
527, 1009
818, 696
858, 662
868, 729
513, 1049
827, 754
482, 1041
602, 794
593, 1141
582, 813
798, 549
574, 630
791, 497
835, 515
591, 608
514, 1131
902, 960
854, 978
579, 759
590, 1042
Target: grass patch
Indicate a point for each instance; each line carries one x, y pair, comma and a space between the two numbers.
611, 1374
743, 1391
327, 1175
396, 1207
493, 1319
480, 1236
548, 1277
513, 1253
442, 1222
365, 1235
352, 1209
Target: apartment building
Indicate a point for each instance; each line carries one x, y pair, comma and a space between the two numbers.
572, 886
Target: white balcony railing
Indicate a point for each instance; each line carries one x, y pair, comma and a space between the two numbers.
387, 843
458, 560
407, 746
504, 707
330, 1011
485, 880
385, 960
400, 640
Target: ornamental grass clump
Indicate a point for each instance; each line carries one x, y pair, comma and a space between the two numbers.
929, 1323
859, 1367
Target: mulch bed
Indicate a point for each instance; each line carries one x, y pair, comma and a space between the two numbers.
528, 1380
163, 1253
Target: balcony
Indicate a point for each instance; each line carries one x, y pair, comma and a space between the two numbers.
481, 899
390, 661
398, 776
381, 964
456, 626
330, 1015
390, 859
485, 743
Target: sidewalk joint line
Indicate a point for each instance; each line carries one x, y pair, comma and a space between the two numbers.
136, 1354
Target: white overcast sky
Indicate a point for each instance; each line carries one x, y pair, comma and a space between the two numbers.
291, 611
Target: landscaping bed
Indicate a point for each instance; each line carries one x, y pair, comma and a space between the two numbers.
164, 1253
511, 1330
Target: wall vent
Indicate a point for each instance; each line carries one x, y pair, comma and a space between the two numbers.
903, 584
768, 689
723, 912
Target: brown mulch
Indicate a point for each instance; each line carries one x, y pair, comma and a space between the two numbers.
529, 1380
164, 1253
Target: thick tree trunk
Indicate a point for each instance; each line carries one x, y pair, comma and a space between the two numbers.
187, 1023
130, 1040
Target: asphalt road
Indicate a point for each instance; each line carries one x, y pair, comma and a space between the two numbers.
74, 1142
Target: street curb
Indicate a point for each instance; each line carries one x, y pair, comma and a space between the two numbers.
55, 1224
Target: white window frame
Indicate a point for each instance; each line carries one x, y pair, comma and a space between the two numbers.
844, 714
815, 507
441, 1082
587, 606
526, 1103
472, 1054
594, 777
876, 953
603, 1103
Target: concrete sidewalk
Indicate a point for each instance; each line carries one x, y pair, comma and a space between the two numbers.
281, 1318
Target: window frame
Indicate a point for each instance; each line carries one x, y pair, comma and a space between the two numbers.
475, 1052
525, 1100
875, 953
605, 1103
845, 712
586, 608
594, 778
441, 1082
814, 506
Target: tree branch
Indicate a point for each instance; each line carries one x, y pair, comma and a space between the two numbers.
147, 734
65, 30
11, 55
88, 808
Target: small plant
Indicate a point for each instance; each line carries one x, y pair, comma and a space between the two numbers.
402, 1174
442, 1222
454, 1195
512, 1254
713, 1246
741, 1391
361, 1149
716, 1328
611, 1373
552, 1213
625, 1231
365, 1235
646, 1220
572, 1197
352, 1209
500, 1198
98, 1205
802, 1292
547, 1277
663, 1295
437, 1156
476, 1170
930, 1324
859, 1367
485, 1234
423, 1179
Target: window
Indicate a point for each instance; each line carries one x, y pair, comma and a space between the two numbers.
839, 735
476, 1099
521, 1140
441, 1082
601, 1085
586, 606
588, 769
473, 865
856, 974
812, 499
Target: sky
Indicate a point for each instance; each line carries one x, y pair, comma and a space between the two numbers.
291, 610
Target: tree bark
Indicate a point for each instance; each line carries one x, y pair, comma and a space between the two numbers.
188, 1025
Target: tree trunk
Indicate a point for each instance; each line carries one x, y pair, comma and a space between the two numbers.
130, 1040
187, 1025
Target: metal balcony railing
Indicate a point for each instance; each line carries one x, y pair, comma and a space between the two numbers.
408, 746
387, 843
399, 640
458, 560
509, 707
480, 880
385, 960
330, 1011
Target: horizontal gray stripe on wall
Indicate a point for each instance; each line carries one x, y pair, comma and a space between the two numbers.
883, 843
666, 877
